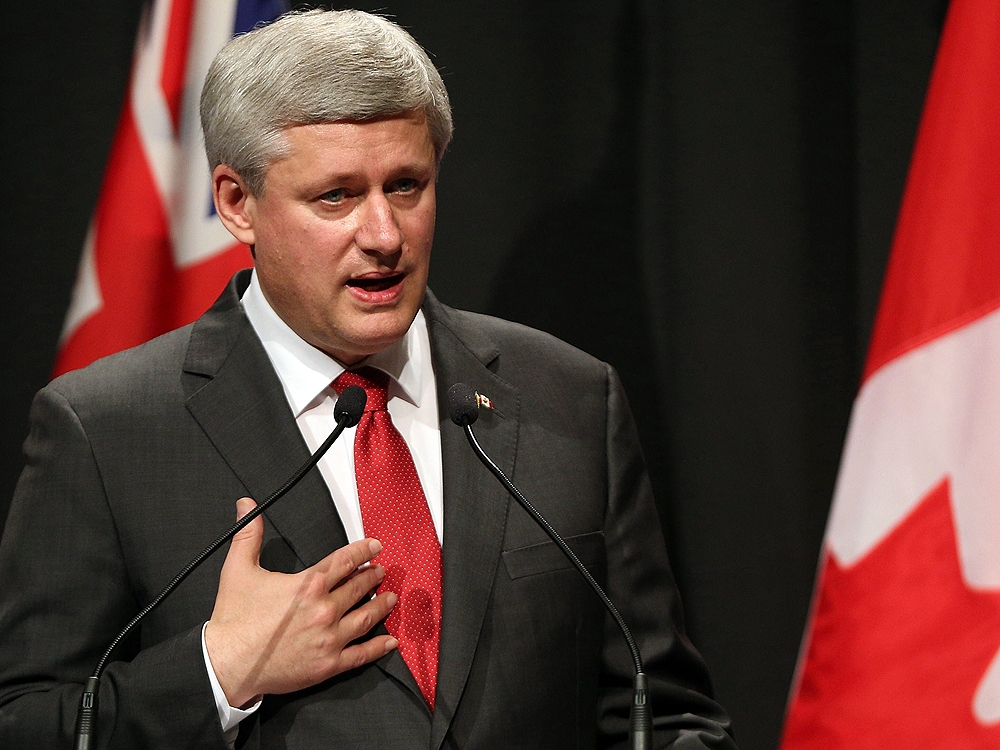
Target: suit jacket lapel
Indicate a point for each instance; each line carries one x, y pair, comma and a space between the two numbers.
234, 394
475, 505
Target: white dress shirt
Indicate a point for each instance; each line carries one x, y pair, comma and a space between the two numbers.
307, 374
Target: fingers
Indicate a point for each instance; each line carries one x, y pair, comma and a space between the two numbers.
341, 563
362, 653
359, 621
356, 587
245, 546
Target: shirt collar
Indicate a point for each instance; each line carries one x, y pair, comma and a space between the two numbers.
306, 372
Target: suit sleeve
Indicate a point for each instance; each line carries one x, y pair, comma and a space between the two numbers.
642, 586
65, 595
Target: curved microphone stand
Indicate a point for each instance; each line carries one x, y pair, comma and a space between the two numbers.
463, 408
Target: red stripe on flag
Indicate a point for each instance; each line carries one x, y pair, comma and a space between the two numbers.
175, 56
944, 269
198, 285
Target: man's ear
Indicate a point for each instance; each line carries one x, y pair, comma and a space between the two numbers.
234, 203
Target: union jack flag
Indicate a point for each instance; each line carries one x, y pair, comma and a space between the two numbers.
155, 256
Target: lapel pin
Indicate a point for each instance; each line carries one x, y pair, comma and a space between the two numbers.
484, 401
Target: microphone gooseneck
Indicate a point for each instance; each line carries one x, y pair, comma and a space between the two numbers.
463, 409
347, 412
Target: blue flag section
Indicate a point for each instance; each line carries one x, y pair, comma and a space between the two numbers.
250, 13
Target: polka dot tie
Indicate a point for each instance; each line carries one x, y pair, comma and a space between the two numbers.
394, 511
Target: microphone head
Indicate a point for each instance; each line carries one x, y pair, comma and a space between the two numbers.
351, 405
463, 408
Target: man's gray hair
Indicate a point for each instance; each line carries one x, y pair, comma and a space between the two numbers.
314, 67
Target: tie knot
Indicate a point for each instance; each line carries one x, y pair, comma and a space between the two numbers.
375, 382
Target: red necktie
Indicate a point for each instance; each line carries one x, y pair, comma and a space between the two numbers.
394, 511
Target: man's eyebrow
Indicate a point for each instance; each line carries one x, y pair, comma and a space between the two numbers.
405, 170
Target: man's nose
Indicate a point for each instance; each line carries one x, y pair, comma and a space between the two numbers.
378, 230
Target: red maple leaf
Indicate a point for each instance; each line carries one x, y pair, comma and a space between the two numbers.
899, 645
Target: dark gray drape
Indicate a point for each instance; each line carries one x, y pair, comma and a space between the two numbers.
700, 192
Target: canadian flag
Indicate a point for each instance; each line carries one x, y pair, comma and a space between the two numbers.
156, 256
903, 649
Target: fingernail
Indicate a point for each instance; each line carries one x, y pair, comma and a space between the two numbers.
374, 546
243, 506
391, 598
391, 644
380, 571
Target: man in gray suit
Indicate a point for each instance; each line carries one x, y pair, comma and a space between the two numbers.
325, 131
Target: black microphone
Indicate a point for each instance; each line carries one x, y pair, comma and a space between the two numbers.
347, 411
463, 408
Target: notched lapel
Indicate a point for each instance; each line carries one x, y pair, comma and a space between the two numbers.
234, 394
394, 666
475, 505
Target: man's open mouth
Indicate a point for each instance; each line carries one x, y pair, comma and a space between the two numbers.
377, 284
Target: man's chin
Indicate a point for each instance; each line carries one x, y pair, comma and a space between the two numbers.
373, 336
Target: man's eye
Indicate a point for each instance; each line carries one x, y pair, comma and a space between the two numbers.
335, 196
405, 185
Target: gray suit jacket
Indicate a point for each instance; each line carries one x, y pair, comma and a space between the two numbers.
134, 465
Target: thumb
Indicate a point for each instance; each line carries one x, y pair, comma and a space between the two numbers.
245, 547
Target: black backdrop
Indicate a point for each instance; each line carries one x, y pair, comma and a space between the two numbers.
701, 192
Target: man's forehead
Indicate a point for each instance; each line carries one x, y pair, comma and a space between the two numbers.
407, 135
316, 154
